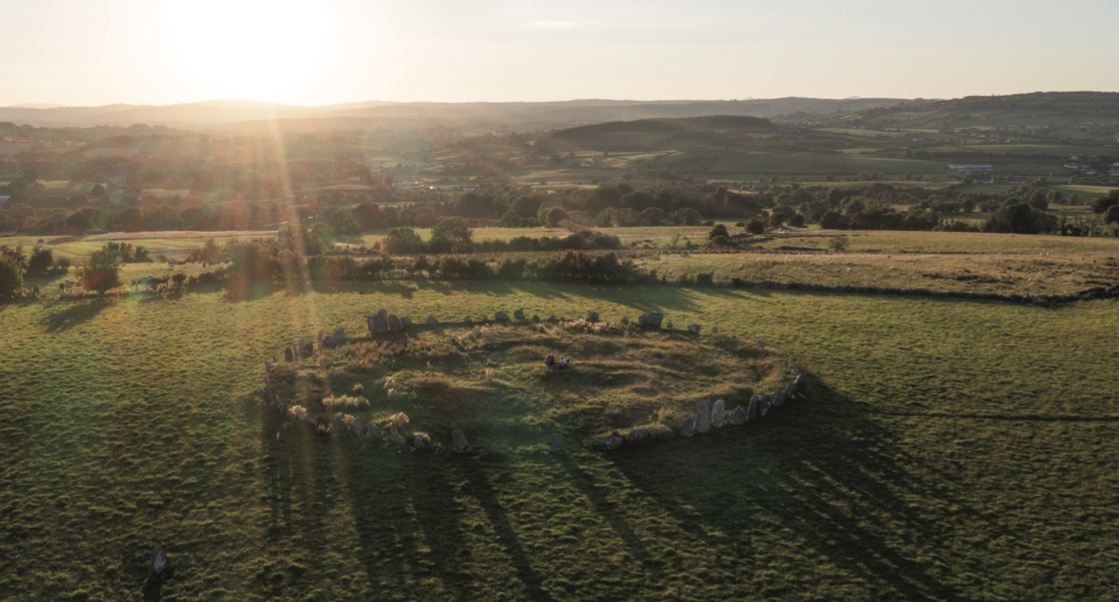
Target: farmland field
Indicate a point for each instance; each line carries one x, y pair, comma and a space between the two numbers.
947, 450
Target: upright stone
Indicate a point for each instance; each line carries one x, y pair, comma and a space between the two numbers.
778, 398
714, 331
625, 321
638, 435
396, 438
394, 324
289, 353
405, 321
501, 317
703, 417
432, 321
737, 417
357, 427
669, 325
693, 328
374, 431
688, 428
467, 320
418, 442
556, 443
651, 320
459, 444
592, 316
340, 337
378, 322
719, 416
519, 314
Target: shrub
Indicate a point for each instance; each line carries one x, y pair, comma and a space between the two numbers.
398, 421
11, 278
838, 243
40, 262
755, 226
707, 279
101, 273
345, 402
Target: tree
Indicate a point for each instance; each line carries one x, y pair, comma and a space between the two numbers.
402, 241
101, 273
451, 235
717, 231
1106, 202
1112, 215
11, 277
838, 243
41, 261
755, 226
554, 216
1019, 218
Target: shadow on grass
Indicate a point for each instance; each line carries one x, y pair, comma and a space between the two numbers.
73, 314
821, 469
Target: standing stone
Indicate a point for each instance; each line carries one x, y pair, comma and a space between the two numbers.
552, 318
693, 328
719, 418
556, 443
536, 318
459, 445
418, 442
714, 331
378, 322
592, 316
289, 354
374, 431
638, 435
501, 317
688, 428
396, 437
467, 320
764, 405
519, 314
625, 321
737, 417
394, 324
328, 341
755, 407
703, 417
778, 398
611, 441
340, 337
432, 321
156, 568
357, 427
405, 321
669, 325
651, 320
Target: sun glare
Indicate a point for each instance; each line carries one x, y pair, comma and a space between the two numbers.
254, 49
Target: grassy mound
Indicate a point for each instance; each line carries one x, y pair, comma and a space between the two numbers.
490, 380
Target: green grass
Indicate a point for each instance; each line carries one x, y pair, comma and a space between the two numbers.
480, 234
948, 450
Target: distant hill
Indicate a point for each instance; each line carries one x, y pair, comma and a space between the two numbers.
507, 116
651, 134
1040, 109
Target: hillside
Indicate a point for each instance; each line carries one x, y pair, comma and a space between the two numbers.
655, 134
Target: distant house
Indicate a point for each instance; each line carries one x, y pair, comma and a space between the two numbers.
970, 168
4, 199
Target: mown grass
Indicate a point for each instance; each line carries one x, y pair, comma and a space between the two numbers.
948, 450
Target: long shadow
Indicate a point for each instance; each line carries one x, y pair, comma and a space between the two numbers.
74, 314
481, 488
852, 462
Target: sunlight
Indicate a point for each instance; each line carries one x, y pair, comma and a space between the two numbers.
250, 49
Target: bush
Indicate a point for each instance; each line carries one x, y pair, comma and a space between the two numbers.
40, 262
755, 226
838, 243
11, 278
101, 273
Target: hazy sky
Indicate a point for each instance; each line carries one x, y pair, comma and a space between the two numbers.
314, 52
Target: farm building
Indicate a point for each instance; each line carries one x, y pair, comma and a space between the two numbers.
970, 168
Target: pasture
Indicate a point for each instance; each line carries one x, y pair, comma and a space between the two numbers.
948, 450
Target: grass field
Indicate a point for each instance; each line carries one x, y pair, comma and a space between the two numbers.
948, 450
173, 244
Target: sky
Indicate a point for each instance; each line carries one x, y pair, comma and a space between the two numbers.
320, 52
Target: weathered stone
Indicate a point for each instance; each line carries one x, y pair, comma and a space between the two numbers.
719, 414
660, 433
592, 316
669, 325
328, 341
688, 428
157, 568
764, 405
703, 417
552, 318
693, 328
755, 407
536, 318
394, 324
556, 443
432, 321
611, 441
467, 320
501, 317
625, 320
405, 321
651, 320
519, 314
459, 444
289, 354
638, 435
374, 431
340, 337
357, 427
714, 331
395, 437
778, 398
378, 322
737, 417
418, 442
